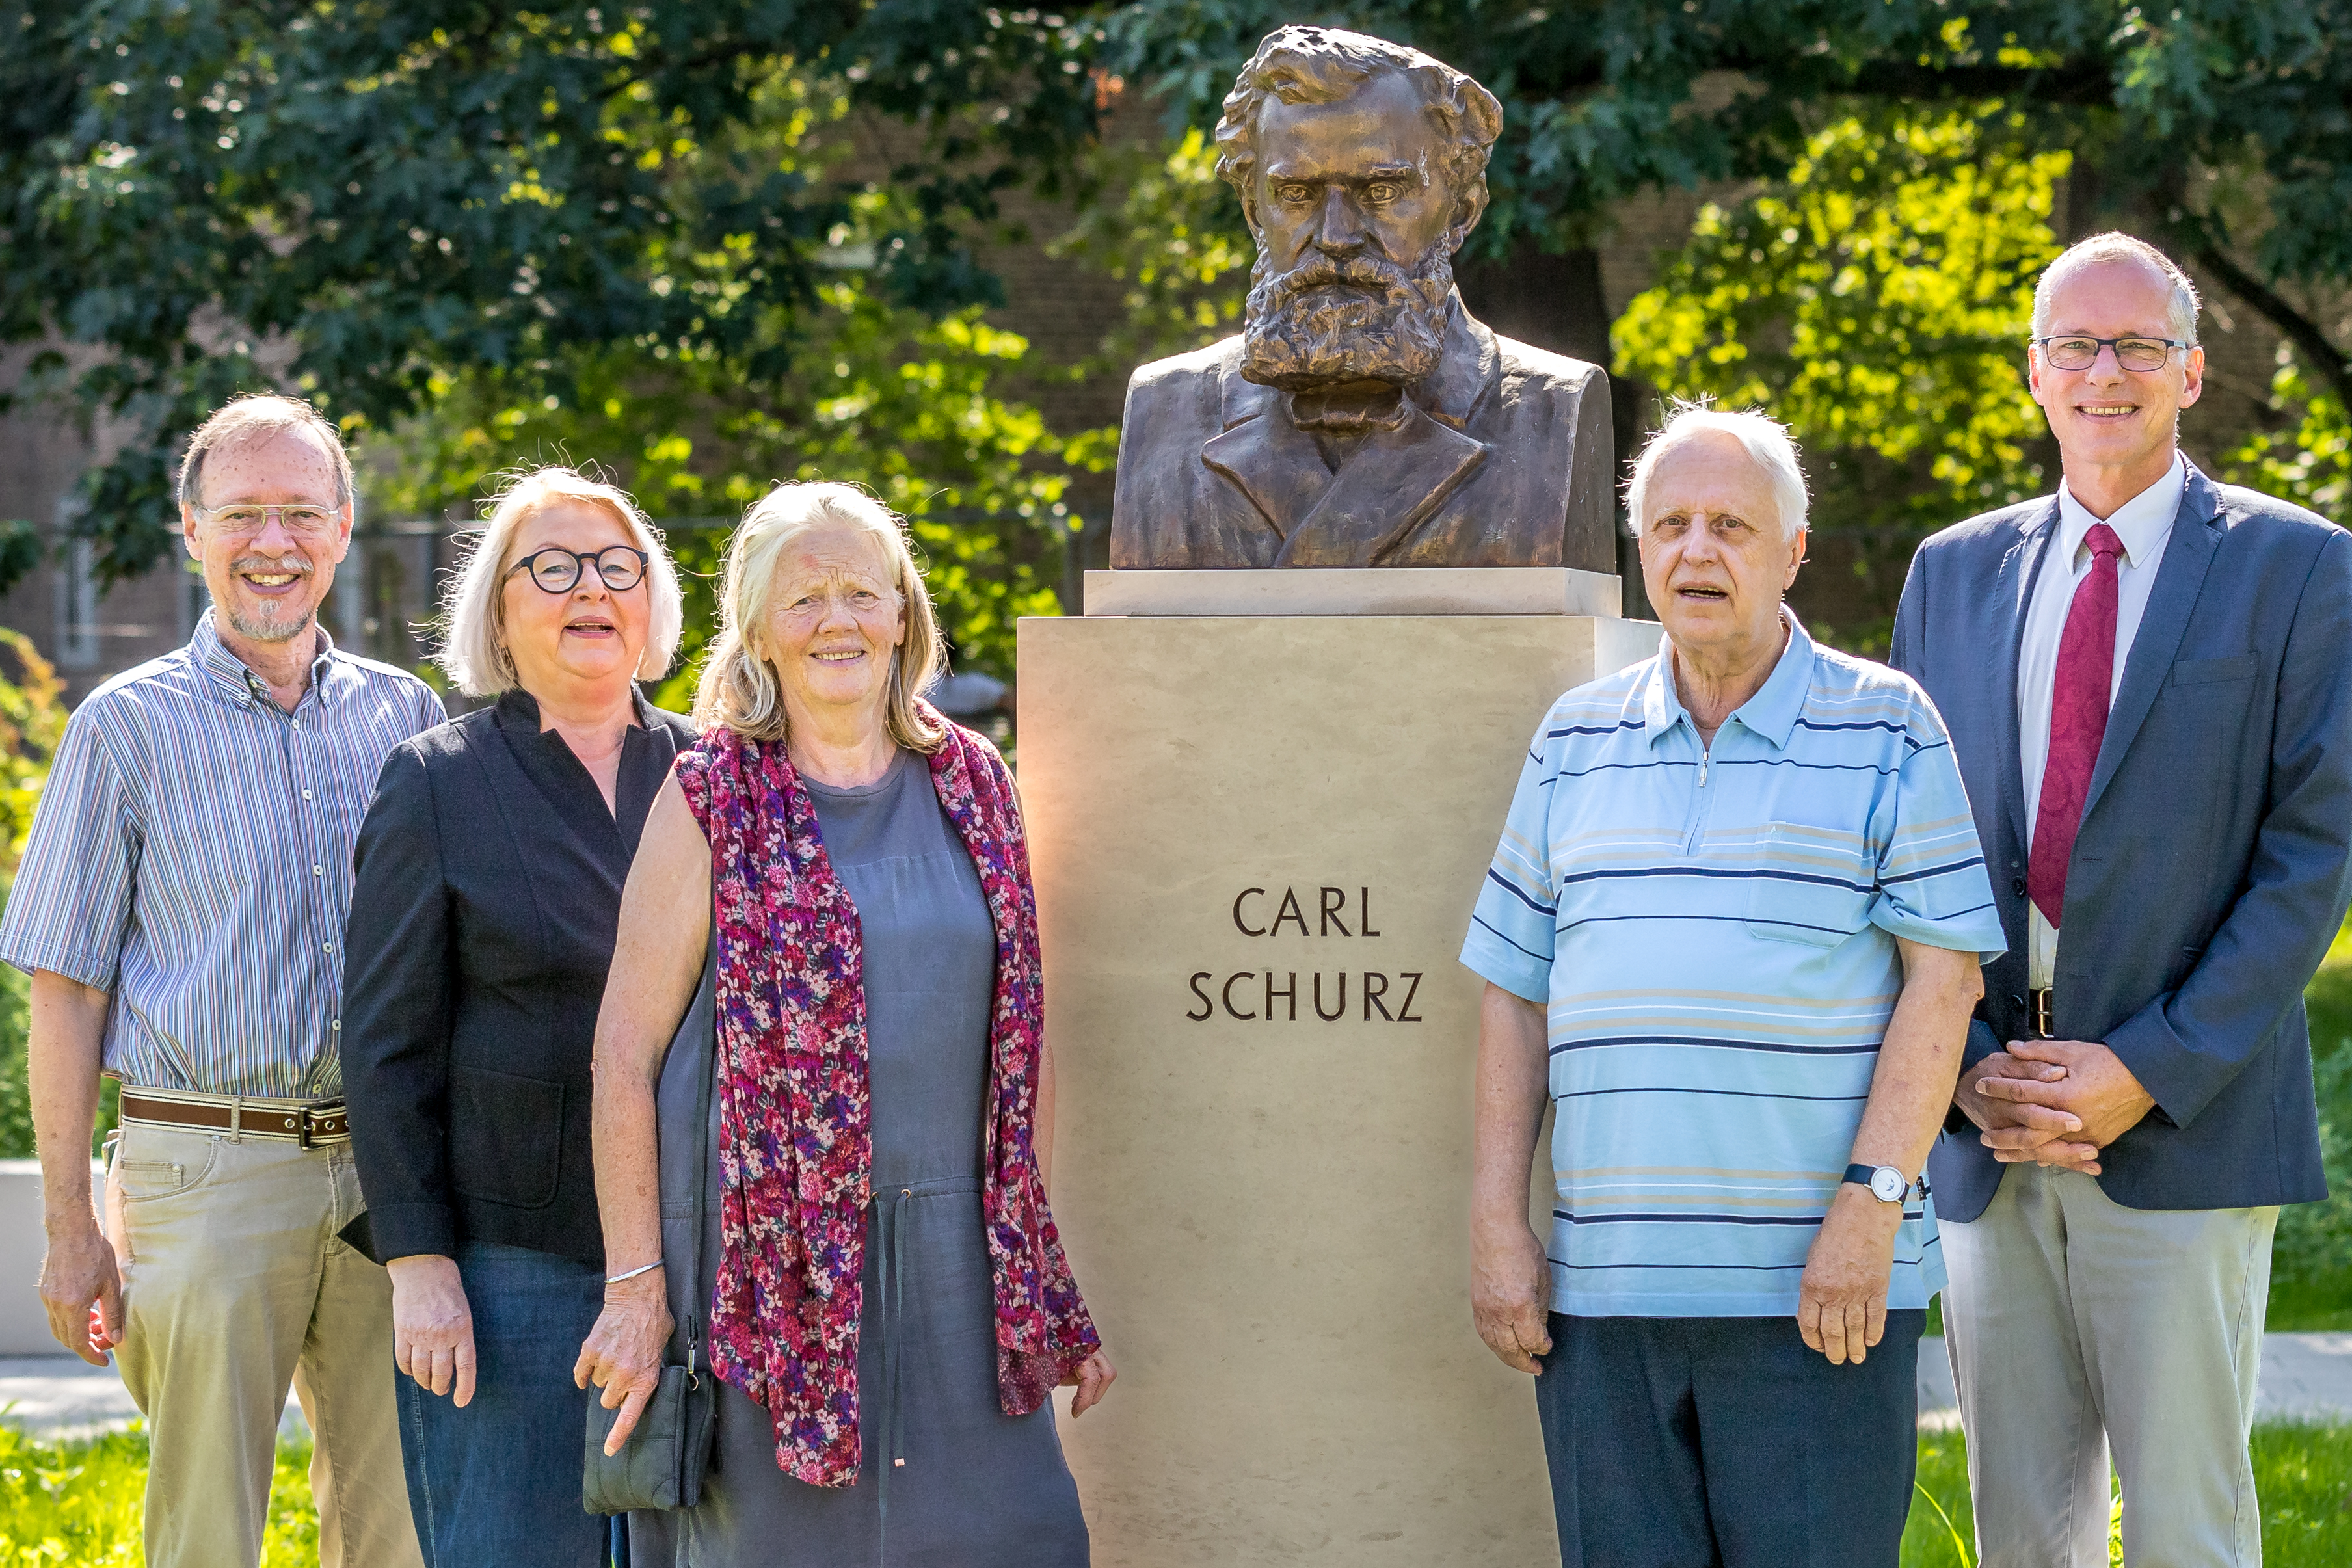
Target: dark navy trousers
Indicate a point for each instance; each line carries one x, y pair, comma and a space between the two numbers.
1724, 1443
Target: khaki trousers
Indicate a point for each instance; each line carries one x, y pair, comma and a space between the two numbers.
2077, 1325
234, 1286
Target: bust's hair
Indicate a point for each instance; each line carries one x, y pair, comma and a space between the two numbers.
739, 687
474, 653
259, 416
1324, 65
1766, 439
2179, 312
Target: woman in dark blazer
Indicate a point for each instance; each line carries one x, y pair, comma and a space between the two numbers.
488, 889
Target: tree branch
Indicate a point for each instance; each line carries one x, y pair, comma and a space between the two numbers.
2081, 82
2324, 356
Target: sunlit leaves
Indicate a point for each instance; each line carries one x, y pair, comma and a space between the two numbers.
2309, 459
1878, 302
879, 396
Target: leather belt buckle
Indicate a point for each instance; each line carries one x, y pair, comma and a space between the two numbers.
2038, 1013
326, 1120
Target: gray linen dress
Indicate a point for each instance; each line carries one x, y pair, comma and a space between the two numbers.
947, 1479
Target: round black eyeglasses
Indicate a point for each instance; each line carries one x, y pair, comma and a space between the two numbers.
558, 571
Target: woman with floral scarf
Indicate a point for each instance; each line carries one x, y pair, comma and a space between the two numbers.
887, 1304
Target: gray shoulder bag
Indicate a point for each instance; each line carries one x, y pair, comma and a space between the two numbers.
662, 1464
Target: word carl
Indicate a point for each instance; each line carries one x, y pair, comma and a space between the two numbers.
1261, 994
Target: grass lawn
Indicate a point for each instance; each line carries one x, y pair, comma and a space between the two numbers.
2302, 1474
76, 1505
2311, 1280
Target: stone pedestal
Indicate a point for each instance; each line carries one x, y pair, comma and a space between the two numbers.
1256, 841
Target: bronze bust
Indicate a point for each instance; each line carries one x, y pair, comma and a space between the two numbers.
1363, 417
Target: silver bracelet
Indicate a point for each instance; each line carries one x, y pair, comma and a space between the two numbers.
616, 1279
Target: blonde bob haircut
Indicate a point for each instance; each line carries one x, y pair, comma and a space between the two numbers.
740, 686
474, 611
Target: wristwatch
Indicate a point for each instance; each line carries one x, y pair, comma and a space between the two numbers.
1887, 1184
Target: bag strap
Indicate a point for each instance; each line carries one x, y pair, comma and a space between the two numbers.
695, 1303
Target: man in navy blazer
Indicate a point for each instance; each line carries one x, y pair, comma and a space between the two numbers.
2147, 679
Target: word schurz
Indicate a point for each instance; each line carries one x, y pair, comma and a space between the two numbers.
1373, 988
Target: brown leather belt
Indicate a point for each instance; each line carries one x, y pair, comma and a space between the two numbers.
307, 1123
2039, 1011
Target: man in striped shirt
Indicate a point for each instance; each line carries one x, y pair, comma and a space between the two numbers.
1732, 932
180, 909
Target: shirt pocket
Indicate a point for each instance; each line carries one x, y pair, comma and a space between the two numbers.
1809, 885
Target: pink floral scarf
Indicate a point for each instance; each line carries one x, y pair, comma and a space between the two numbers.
794, 1125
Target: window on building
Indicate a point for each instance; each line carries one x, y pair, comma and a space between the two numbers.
76, 614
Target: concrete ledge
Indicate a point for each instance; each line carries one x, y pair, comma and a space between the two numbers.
1348, 591
24, 1323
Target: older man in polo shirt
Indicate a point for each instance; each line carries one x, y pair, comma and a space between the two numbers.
1732, 932
180, 909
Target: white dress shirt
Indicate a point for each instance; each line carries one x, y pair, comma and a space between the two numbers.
2143, 523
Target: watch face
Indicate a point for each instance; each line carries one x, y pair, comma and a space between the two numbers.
1887, 1184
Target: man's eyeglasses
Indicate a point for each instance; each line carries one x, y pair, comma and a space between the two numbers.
558, 571
2142, 355
245, 519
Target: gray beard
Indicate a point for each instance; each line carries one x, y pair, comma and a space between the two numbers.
270, 631
268, 628
1317, 325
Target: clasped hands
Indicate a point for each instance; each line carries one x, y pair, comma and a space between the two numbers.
2057, 1102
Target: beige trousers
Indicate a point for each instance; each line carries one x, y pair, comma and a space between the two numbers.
2077, 1325
234, 1286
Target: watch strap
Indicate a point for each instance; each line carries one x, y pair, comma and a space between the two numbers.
1860, 1176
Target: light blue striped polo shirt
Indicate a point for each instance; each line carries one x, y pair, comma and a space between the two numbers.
191, 854
1712, 931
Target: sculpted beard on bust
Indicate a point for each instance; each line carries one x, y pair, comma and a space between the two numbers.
1335, 319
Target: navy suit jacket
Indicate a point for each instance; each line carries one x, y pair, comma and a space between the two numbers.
2210, 873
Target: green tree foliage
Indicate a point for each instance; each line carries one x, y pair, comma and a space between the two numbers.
2308, 460
1603, 98
32, 721
872, 392
883, 397
1878, 300
1174, 238
357, 198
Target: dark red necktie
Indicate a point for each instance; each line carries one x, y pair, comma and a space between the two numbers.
2078, 722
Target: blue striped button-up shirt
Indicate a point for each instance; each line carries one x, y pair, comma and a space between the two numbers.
191, 854
1711, 929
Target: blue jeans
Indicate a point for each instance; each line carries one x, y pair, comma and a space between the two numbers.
498, 1484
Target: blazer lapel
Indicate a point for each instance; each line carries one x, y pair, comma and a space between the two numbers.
1276, 464
2012, 596
1385, 490
2178, 581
